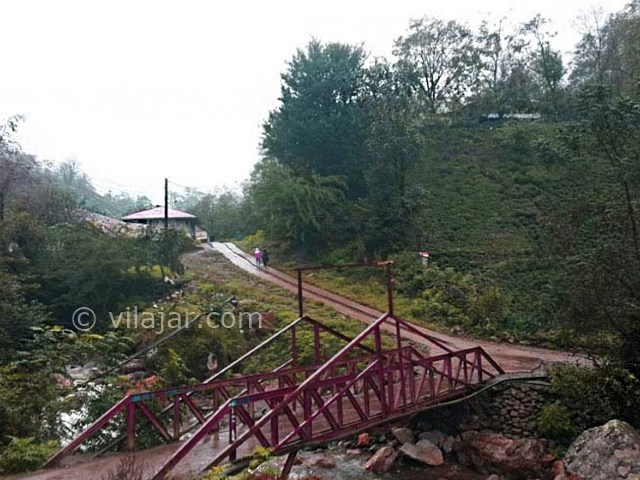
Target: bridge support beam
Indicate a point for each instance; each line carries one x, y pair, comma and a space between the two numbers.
131, 427
288, 465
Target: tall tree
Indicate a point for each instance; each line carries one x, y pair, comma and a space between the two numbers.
599, 233
545, 62
436, 60
608, 53
504, 82
318, 127
222, 214
393, 147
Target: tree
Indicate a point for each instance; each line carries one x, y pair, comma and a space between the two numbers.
303, 211
435, 59
608, 52
545, 62
504, 80
600, 231
393, 147
318, 127
222, 214
593, 56
15, 167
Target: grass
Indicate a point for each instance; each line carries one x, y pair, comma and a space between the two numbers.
214, 275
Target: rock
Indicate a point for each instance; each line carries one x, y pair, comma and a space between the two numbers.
557, 470
605, 452
493, 477
424, 451
403, 435
448, 444
434, 436
364, 440
353, 452
494, 453
382, 460
321, 460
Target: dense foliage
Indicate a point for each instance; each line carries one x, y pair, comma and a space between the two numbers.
53, 261
517, 168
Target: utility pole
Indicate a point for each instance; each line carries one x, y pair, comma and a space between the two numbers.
166, 203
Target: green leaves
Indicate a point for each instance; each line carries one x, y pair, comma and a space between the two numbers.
435, 59
24, 454
300, 210
319, 129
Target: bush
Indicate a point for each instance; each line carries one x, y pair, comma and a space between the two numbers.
599, 394
23, 454
554, 422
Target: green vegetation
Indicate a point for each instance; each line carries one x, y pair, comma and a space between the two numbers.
517, 169
24, 454
53, 262
554, 422
595, 396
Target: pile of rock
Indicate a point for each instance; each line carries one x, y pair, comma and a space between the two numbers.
489, 453
112, 226
428, 448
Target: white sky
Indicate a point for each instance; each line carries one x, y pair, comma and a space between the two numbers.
137, 91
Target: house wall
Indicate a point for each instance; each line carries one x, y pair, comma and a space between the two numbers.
184, 225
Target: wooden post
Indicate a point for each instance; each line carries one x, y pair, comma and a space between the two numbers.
166, 203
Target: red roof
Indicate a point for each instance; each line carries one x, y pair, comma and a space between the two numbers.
157, 213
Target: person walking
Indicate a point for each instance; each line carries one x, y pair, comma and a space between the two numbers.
258, 255
265, 257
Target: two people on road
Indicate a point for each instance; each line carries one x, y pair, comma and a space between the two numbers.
262, 257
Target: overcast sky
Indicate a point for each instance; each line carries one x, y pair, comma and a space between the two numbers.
137, 91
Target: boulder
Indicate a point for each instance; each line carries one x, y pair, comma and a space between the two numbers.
607, 452
434, 436
424, 451
494, 453
403, 435
382, 460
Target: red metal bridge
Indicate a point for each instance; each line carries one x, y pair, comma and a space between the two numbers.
373, 379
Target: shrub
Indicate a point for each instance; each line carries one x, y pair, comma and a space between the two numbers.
554, 422
24, 454
596, 395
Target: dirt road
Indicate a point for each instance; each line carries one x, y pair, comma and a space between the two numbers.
512, 358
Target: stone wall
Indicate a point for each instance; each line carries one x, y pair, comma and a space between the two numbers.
510, 409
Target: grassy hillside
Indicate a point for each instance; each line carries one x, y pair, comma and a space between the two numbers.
488, 193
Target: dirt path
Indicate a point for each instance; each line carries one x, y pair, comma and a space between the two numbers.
512, 358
